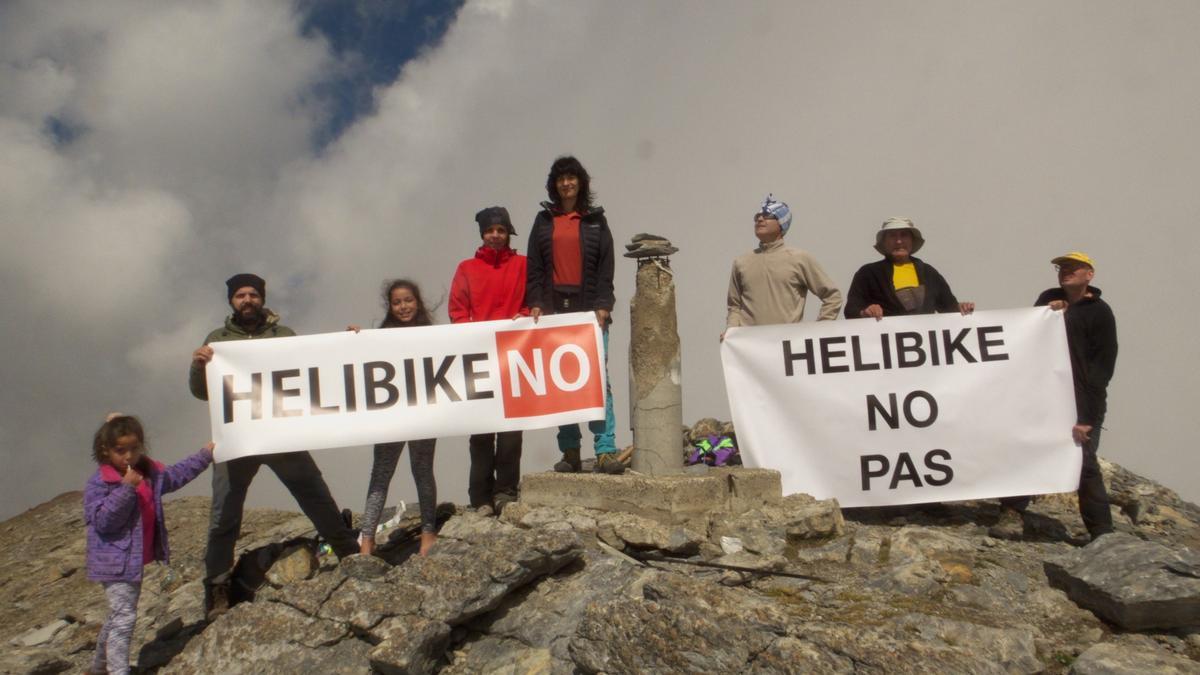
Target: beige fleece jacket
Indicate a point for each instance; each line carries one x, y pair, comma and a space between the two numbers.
770, 284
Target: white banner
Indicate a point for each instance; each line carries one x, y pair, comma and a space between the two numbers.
338, 389
939, 407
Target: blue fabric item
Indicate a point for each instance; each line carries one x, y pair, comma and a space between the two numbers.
777, 210
604, 431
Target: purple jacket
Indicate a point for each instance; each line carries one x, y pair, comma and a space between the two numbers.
114, 532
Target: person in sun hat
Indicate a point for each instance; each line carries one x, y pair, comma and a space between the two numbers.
770, 284
900, 284
1092, 344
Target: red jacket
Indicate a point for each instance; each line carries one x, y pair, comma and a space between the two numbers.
488, 287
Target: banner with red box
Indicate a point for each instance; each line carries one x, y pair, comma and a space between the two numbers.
339, 389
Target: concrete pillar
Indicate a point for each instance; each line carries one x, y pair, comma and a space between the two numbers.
657, 410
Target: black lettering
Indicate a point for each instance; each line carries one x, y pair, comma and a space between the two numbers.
254, 396
886, 347
956, 345
865, 462
890, 415
348, 386
946, 471
806, 355
933, 348
908, 414
856, 350
314, 394
903, 350
278, 393
410, 381
470, 376
373, 384
438, 379
827, 354
905, 470
985, 344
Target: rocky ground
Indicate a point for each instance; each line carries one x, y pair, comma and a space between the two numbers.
800, 587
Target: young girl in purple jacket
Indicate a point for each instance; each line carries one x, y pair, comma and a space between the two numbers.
122, 507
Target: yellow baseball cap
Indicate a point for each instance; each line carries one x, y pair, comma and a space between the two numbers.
1075, 256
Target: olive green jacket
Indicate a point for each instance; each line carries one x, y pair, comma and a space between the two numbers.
232, 331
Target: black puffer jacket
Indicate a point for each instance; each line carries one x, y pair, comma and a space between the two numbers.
596, 242
1092, 341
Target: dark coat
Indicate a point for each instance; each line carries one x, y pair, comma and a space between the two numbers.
269, 328
1092, 341
596, 242
872, 285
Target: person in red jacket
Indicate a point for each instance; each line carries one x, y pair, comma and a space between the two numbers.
488, 287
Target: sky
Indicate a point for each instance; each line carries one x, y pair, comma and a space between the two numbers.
148, 151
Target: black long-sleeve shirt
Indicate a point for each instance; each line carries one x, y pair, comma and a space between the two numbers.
1092, 341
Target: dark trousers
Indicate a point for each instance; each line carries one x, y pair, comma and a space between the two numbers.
300, 474
1093, 496
495, 466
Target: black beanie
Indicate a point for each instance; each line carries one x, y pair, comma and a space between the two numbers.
243, 280
494, 215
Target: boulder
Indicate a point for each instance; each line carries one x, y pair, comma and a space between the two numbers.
1135, 584
295, 563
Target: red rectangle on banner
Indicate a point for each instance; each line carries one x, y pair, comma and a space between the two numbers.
549, 370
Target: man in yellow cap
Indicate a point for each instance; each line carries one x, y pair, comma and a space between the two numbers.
1092, 343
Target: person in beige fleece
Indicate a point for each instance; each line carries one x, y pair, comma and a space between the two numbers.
770, 284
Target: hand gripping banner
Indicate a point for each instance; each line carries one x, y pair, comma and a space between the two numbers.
339, 389
914, 409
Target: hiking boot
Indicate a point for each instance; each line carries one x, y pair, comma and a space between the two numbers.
502, 500
485, 511
608, 463
216, 601
1011, 525
570, 462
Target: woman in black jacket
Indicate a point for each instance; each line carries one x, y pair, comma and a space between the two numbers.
570, 269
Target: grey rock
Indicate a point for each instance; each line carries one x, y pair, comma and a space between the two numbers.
363, 604
674, 611
42, 635
646, 236
651, 250
364, 567
1129, 582
306, 596
643, 533
1012, 649
410, 645
271, 637
502, 656
473, 578
1107, 658
545, 517
549, 614
297, 562
769, 529
792, 655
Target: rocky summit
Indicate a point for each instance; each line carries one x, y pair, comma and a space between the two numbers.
797, 586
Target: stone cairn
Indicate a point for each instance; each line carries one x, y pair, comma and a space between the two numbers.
657, 398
